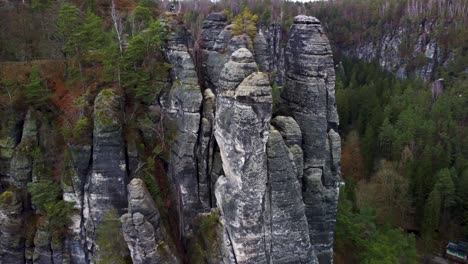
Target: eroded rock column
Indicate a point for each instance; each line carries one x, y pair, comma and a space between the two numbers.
243, 113
105, 187
308, 96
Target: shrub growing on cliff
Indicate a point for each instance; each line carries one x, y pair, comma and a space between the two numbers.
37, 95
46, 197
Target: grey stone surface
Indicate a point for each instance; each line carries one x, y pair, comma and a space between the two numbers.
21, 165
274, 38
308, 97
422, 47
105, 188
140, 201
205, 149
42, 246
183, 106
10, 136
292, 136
212, 27
243, 112
12, 243
140, 237
287, 223
262, 52
142, 229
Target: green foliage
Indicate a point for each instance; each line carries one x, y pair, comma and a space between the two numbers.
245, 23
40, 5
37, 95
142, 73
402, 122
68, 23
140, 18
84, 41
148, 177
112, 248
77, 132
276, 93
46, 197
359, 238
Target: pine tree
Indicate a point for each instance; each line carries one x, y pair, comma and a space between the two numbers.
112, 248
37, 95
245, 23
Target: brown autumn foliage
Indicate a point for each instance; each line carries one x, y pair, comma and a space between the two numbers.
352, 164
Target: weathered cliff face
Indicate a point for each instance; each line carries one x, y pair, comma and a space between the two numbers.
12, 242
308, 97
142, 230
183, 109
244, 184
405, 51
105, 186
243, 112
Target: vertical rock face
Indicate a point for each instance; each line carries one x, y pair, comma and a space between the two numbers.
12, 242
276, 52
140, 237
262, 53
10, 136
206, 148
214, 42
308, 97
21, 165
141, 228
105, 186
243, 113
76, 169
423, 52
212, 27
290, 241
183, 107
244, 188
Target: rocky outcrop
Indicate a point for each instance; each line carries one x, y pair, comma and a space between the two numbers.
182, 106
205, 149
308, 97
211, 29
292, 135
243, 112
21, 166
140, 237
262, 54
10, 137
274, 37
77, 162
12, 242
105, 187
142, 230
241, 187
405, 50
218, 45
286, 221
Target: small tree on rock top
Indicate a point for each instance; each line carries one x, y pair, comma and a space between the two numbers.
245, 23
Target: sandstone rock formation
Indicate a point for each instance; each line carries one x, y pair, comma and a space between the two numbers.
141, 228
105, 186
12, 242
308, 97
243, 113
183, 108
238, 183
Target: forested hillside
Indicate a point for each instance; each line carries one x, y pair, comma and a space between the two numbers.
115, 119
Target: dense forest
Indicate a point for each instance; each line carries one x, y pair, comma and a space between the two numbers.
404, 140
